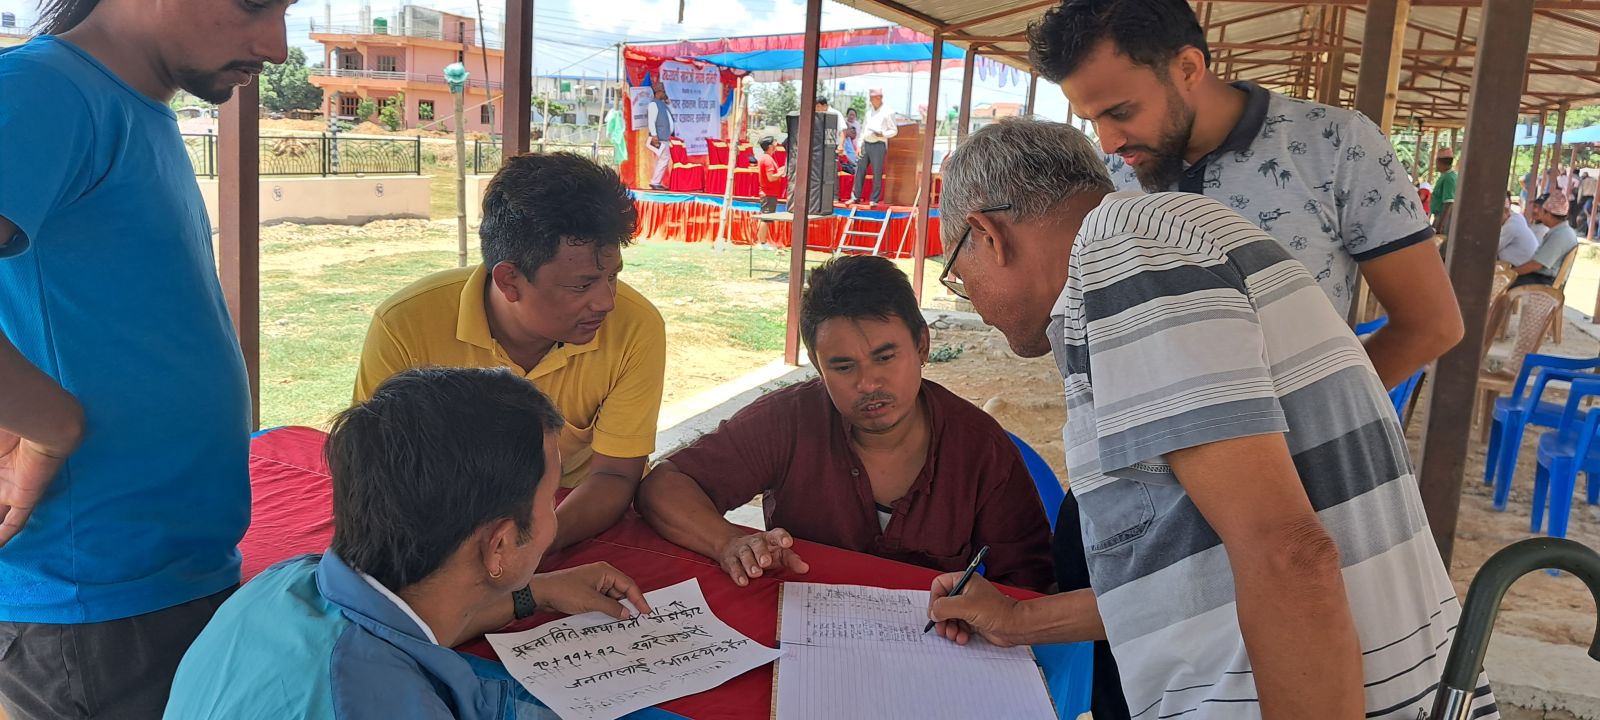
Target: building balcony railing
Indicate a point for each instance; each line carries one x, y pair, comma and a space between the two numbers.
392, 75
451, 36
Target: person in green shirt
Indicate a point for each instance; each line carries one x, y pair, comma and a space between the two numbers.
1444, 194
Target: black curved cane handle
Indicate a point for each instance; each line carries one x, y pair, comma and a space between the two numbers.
1465, 662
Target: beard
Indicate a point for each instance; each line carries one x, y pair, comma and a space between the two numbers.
216, 87
1165, 166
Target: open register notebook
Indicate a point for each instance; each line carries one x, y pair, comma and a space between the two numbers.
855, 651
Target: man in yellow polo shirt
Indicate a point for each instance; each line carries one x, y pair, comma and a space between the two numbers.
546, 302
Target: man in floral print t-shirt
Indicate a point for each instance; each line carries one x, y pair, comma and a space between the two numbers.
1322, 181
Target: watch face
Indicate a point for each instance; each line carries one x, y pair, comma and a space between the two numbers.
522, 603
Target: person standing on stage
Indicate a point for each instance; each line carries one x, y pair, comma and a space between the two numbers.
875, 134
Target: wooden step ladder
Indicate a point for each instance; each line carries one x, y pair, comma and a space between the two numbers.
854, 239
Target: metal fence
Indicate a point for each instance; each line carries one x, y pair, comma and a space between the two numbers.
487, 155
322, 155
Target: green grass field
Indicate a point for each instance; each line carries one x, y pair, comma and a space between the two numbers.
320, 285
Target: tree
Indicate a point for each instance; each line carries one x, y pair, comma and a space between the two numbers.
771, 103
392, 116
183, 99
288, 86
858, 104
546, 106
365, 109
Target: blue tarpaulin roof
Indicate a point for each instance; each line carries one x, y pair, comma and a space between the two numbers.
1580, 136
770, 60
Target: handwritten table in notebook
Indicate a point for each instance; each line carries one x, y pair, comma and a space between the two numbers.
292, 497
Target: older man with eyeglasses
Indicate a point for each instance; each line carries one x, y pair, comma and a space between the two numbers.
1237, 464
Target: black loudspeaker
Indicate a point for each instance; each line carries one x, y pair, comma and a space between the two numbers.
824, 168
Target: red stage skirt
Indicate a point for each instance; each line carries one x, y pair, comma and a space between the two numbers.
693, 218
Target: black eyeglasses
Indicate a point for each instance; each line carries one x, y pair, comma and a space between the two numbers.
954, 284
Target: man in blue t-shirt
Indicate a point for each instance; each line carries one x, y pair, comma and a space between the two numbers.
125, 415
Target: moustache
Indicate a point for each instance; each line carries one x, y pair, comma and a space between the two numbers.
878, 397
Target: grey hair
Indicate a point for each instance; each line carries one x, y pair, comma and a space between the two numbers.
1031, 164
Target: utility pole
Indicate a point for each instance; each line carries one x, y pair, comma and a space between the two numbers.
455, 75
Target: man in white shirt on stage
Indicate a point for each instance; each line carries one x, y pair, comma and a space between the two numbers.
660, 123
875, 134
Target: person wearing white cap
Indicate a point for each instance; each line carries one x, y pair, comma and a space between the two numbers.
1550, 211
875, 134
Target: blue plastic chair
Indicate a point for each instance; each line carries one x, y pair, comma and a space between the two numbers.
1400, 396
1563, 453
1044, 479
1513, 414
1371, 326
1068, 668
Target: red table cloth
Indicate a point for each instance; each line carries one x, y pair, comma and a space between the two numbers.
292, 515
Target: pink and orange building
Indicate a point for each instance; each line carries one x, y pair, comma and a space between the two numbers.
407, 56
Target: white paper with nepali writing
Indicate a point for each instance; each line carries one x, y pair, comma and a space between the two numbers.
855, 651
596, 667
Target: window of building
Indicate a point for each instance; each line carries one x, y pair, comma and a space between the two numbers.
348, 104
486, 113
425, 110
349, 61
386, 63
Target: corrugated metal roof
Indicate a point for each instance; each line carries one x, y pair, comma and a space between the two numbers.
1271, 42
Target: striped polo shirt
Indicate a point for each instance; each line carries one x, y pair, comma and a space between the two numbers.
1181, 324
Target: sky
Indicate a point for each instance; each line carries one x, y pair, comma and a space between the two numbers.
578, 37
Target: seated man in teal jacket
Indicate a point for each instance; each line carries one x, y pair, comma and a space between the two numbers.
443, 504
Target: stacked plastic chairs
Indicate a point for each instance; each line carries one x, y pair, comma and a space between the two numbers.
1563, 453
1565, 449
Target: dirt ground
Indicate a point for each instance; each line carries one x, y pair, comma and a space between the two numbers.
1552, 609
1025, 396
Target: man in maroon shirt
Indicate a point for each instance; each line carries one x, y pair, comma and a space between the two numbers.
870, 457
